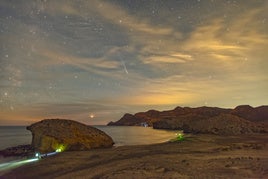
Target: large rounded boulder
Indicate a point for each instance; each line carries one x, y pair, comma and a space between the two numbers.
51, 135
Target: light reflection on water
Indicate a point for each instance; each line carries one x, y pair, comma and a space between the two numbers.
11, 136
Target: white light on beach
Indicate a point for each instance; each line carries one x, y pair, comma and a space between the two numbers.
14, 164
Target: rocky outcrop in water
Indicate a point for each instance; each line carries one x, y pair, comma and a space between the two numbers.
51, 134
240, 120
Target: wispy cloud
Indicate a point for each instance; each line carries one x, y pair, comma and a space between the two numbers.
172, 58
70, 57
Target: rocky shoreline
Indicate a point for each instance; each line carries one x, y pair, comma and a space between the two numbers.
19, 151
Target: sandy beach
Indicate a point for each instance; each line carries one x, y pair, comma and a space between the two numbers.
199, 156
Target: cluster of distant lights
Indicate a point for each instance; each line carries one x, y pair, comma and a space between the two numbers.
17, 163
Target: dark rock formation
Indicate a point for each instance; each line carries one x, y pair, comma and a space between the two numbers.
137, 119
240, 120
127, 120
258, 114
21, 150
223, 124
52, 134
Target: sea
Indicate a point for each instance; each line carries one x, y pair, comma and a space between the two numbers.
11, 136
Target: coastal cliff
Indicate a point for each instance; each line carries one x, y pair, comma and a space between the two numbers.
243, 119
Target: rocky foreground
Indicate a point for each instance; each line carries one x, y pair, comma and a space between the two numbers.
203, 120
198, 156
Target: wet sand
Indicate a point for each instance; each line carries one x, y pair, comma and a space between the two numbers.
199, 156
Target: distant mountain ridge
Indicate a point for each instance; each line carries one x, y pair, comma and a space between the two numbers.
240, 120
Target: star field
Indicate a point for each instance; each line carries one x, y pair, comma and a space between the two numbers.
77, 59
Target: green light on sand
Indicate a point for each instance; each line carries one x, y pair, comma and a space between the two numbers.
180, 137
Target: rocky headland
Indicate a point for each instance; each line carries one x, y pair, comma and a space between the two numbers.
243, 119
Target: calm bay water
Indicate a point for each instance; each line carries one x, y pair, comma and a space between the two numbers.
11, 136
135, 135
122, 135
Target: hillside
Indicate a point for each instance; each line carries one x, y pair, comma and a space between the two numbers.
240, 120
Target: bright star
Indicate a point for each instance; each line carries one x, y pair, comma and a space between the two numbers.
91, 116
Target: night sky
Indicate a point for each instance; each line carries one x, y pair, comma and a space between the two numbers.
93, 61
